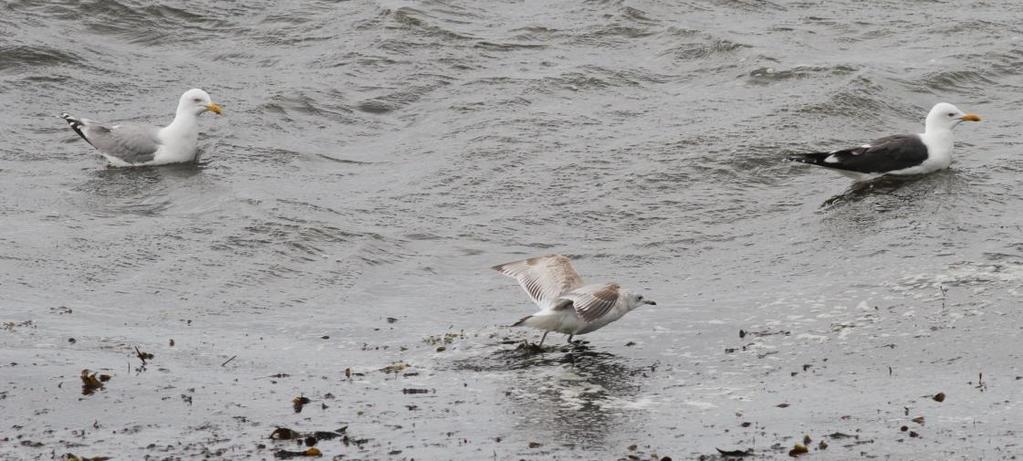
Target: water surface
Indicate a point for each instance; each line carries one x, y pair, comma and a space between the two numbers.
375, 158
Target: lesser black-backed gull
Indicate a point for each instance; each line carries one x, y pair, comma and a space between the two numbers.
906, 154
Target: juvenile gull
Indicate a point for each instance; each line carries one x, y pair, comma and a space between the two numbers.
138, 145
566, 305
905, 154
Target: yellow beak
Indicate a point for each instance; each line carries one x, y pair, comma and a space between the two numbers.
965, 118
215, 108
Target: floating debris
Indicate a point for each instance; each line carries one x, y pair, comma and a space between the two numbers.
143, 356
822, 446
329, 435
446, 338
91, 382
919, 420
283, 433
410, 390
72, 457
735, 453
285, 454
535, 444
395, 368
358, 442
939, 397
298, 402
782, 405
391, 320
798, 449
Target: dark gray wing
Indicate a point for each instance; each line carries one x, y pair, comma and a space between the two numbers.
592, 302
130, 143
890, 153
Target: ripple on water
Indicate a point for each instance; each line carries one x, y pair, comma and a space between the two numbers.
771, 75
18, 58
148, 25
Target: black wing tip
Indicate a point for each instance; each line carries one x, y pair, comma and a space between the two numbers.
815, 158
75, 125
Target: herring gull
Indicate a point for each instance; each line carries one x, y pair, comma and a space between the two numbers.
140, 145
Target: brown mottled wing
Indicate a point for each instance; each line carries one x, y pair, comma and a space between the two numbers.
594, 301
545, 278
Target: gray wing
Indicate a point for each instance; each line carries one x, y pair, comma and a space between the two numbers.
592, 302
545, 278
130, 143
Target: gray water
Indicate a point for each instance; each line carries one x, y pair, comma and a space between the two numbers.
376, 158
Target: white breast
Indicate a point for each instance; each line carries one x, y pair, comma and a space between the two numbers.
939, 152
177, 145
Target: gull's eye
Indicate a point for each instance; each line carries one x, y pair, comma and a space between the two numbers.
200, 100
951, 114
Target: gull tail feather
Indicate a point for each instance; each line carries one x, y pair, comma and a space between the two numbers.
522, 321
539, 321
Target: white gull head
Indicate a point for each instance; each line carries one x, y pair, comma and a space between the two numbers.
195, 102
944, 116
632, 300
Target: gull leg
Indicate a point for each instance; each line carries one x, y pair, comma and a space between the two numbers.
570, 339
543, 338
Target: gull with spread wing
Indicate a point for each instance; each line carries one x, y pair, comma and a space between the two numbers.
566, 305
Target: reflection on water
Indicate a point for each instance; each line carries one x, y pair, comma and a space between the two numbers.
145, 191
885, 185
573, 393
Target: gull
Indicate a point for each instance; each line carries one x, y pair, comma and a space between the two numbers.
566, 305
140, 145
905, 154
